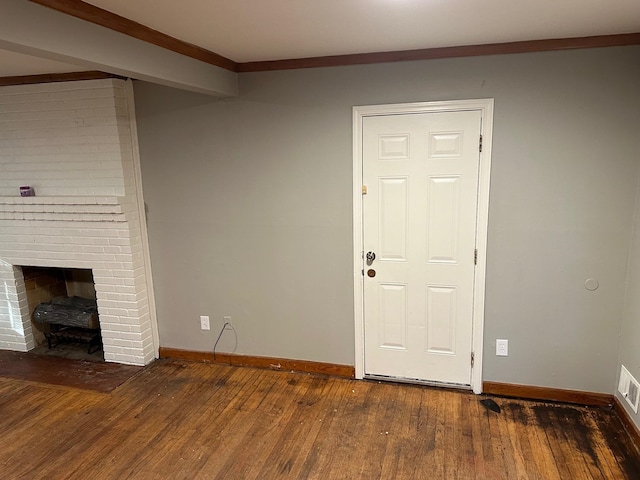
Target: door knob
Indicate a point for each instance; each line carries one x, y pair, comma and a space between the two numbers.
370, 257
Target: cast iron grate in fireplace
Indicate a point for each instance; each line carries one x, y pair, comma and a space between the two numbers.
71, 319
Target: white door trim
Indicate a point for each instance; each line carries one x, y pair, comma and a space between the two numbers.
359, 112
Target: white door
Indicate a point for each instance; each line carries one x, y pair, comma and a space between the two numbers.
419, 221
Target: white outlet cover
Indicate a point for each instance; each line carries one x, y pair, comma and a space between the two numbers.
204, 323
502, 347
629, 388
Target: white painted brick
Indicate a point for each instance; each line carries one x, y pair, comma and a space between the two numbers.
129, 320
125, 289
127, 359
105, 306
143, 311
16, 346
131, 351
114, 331
130, 307
146, 360
100, 272
107, 325
71, 142
109, 280
148, 350
109, 357
119, 241
105, 289
131, 336
123, 274
118, 297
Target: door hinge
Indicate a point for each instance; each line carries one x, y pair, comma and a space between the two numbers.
473, 359
364, 189
363, 272
481, 143
475, 257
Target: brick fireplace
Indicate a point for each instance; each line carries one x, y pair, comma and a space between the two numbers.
75, 144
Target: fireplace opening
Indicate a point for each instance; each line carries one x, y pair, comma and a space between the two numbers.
63, 310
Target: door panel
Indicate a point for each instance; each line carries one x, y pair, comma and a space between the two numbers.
393, 218
441, 319
443, 199
419, 218
393, 316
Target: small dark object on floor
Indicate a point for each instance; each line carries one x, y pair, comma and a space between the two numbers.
489, 404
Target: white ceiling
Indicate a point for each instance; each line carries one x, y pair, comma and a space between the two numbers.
250, 30
254, 30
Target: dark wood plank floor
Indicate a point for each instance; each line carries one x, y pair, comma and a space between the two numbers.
180, 420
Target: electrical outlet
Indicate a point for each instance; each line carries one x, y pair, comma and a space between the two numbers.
227, 319
629, 388
204, 322
502, 347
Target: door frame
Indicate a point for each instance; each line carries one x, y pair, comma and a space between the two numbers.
485, 106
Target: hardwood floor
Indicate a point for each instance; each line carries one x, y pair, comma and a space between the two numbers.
181, 420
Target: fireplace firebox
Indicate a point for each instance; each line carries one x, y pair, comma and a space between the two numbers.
64, 307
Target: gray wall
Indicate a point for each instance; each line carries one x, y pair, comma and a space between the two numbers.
249, 207
630, 335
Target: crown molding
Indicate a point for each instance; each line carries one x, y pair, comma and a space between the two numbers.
528, 46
